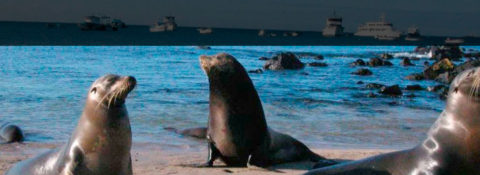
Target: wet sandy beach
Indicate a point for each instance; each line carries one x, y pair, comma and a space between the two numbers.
150, 159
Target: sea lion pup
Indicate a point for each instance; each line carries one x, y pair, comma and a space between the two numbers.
10, 133
452, 145
236, 124
102, 140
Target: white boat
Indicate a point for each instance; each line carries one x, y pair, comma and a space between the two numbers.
204, 30
413, 34
166, 24
261, 32
454, 41
333, 26
380, 29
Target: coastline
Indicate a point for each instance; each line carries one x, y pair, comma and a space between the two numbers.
152, 158
38, 33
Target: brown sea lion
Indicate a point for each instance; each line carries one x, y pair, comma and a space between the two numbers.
100, 145
237, 128
10, 133
452, 145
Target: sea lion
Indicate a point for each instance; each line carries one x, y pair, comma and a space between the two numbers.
10, 133
237, 128
452, 145
102, 140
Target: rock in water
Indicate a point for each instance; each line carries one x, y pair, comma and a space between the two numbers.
256, 71
406, 62
415, 87
417, 76
374, 86
374, 62
284, 61
386, 56
391, 90
358, 62
438, 68
363, 72
318, 64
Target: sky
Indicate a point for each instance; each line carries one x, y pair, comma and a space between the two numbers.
432, 17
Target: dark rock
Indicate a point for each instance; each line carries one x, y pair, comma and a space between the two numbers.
453, 52
406, 62
391, 90
449, 76
438, 68
374, 86
426, 64
256, 71
416, 76
386, 56
318, 57
363, 72
415, 87
283, 61
414, 58
358, 62
359, 82
441, 90
374, 62
436, 88
318, 64
263, 58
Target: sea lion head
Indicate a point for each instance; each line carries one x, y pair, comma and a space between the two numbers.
467, 84
111, 90
220, 64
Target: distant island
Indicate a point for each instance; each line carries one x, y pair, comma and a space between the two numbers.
43, 33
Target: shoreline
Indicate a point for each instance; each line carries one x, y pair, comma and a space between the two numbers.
153, 158
39, 33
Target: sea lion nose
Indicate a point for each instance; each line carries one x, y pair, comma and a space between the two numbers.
132, 82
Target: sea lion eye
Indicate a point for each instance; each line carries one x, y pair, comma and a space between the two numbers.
94, 90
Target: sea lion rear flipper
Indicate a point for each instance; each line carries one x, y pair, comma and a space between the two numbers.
283, 149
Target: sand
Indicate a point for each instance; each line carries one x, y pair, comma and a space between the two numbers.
154, 159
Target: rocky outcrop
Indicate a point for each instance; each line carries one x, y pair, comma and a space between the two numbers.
391, 90
374, 86
256, 71
437, 68
374, 62
358, 62
363, 72
317, 64
448, 77
406, 62
414, 87
416, 76
283, 61
386, 56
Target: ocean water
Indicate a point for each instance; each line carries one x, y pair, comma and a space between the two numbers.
43, 90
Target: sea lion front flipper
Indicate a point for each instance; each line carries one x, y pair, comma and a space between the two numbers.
76, 159
213, 154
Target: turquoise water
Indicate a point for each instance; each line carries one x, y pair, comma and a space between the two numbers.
44, 89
